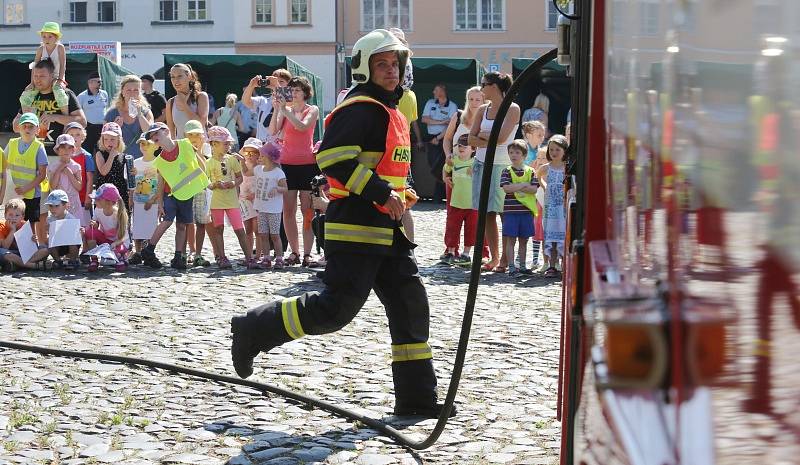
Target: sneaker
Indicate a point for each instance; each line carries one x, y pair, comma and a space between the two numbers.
58, 264
447, 258
200, 261
178, 262
61, 96
223, 263
551, 273
72, 265
93, 265
28, 97
526, 271
136, 259
251, 264
121, 266
85, 259
462, 259
149, 258
432, 411
278, 263
265, 263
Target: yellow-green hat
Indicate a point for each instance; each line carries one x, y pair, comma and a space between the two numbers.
52, 28
193, 127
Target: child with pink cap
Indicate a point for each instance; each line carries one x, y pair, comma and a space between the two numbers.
110, 160
65, 174
225, 173
270, 186
110, 225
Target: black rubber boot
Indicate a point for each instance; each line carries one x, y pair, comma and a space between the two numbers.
260, 330
415, 389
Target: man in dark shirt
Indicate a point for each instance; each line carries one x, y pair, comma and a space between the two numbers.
52, 118
154, 98
365, 154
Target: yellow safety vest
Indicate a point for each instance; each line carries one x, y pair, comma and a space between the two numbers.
22, 166
184, 175
525, 198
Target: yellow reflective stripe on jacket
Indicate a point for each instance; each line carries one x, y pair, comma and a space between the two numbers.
335, 155
358, 233
370, 159
338, 192
291, 318
358, 179
395, 181
408, 352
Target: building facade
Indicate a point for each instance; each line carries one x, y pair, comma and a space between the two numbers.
491, 31
146, 28
304, 30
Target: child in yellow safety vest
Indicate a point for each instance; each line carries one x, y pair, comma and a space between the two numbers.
26, 163
519, 183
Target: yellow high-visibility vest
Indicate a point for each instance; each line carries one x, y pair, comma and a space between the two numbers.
183, 175
525, 198
22, 166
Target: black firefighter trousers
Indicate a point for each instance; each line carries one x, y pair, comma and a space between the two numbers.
349, 277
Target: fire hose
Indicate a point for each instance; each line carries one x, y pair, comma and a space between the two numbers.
530, 72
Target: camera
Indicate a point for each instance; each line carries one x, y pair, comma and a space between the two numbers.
316, 184
285, 92
263, 82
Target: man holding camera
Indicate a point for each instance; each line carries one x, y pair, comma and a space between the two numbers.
366, 155
262, 105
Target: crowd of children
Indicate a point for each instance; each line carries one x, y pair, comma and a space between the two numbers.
533, 207
132, 207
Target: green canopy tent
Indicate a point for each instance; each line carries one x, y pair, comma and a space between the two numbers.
553, 82
224, 74
17, 75
459, 74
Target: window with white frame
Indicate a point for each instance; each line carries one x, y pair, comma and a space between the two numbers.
106, 12
299, 13
482, 15
196, 10
77, 12
264, 12
385, 14
648, 18
168, 10
552, 15
13, 11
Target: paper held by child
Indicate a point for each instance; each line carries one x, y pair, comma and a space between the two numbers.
65, 232
25, 243
104, 254
144, 221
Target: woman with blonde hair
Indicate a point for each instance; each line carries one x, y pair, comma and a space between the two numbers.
228, 117
538, 112
131, 112
189, 102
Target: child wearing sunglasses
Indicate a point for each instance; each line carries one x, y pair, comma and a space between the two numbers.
225, 174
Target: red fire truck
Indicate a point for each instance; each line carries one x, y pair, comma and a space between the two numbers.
681, 309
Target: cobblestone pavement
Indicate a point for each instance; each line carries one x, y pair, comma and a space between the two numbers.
62, 411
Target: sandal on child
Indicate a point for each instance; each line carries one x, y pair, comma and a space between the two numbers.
551, 273
306, 261
500, 269
292, 259
265, 263
278, 263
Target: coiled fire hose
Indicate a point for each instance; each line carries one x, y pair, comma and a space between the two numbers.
531, 71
